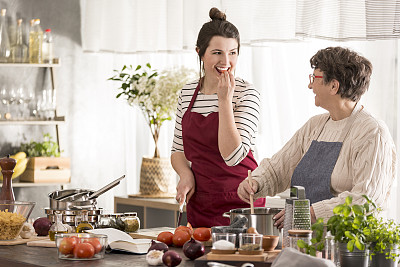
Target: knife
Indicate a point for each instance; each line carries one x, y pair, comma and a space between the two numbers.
180, 212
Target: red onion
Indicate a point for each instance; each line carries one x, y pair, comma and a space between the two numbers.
193, 249
42, 226
171, 258
158, 246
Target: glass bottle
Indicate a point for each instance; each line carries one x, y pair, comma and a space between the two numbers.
35, 43
47, 47
58, 227
131, 222
84, 223
295, 235
5, 48
19, 51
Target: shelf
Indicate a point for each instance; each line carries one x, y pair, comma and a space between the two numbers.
56, 121
22, 184
31, 65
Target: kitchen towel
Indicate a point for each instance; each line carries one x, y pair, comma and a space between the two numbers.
290, 257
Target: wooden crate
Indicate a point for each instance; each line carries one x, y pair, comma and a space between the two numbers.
47, 170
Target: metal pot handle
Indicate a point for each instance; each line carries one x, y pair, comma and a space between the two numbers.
226, 214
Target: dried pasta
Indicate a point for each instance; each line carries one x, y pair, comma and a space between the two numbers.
10, 224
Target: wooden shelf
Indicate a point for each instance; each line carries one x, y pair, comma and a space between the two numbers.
30, 65
22, 184
57, 120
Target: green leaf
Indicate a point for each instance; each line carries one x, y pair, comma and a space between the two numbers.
301, 243
349, 235
338, 209
138, 67
313, 251
359, 244
346, 211
350, 245
358, 210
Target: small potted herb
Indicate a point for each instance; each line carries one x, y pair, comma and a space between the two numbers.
350, 226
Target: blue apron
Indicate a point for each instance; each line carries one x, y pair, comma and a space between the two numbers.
315, 169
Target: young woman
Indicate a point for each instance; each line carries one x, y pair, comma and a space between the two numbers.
216, 120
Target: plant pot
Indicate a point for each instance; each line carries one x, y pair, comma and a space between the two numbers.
379, 259
157, 178
356, 258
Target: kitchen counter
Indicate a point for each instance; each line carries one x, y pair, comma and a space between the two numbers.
22, 255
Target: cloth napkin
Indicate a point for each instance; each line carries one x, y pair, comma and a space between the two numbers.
290, 257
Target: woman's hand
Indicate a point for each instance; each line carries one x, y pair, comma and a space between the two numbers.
245, 190
279, 219
226, 86
185, 187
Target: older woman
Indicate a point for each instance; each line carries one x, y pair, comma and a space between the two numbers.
345, 152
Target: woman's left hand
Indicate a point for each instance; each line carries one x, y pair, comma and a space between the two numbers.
226, 86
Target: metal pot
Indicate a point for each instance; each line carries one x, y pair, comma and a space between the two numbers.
68, 205
261, 220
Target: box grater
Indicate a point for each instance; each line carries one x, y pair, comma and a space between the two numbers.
301, 214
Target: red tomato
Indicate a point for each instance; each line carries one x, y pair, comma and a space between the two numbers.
84, 251
67, 245
165, 237
94, 242
202, 234
185, 228
180, 237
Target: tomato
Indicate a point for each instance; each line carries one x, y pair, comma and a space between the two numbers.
165, 237
84, 251
180, 237
185, 228
94, 242
67, 245
202, 234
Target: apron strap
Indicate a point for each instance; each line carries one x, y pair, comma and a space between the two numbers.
193, 98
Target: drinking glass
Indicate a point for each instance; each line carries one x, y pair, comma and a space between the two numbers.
5, 100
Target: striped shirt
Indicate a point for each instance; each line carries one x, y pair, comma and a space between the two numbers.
246, 111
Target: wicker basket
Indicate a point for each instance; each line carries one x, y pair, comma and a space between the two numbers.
157, 178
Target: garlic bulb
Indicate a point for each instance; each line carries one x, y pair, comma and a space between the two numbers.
154, 257
27, 231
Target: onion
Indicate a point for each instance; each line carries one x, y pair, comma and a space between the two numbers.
171, 258
193, 249
158, 246
42, 226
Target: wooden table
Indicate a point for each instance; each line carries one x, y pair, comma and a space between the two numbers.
22, 255
152, 212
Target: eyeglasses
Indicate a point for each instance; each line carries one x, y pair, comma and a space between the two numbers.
312, 77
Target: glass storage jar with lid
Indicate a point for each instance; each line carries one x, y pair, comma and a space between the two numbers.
131, 222
295, 235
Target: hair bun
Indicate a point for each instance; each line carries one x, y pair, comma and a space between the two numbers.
215, 14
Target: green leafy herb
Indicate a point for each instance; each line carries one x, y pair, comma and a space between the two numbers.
46, 148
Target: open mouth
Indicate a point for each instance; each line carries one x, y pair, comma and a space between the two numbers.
221, 69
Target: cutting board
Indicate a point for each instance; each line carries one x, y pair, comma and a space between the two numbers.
20, 240
152, 233
42, 243
241, 257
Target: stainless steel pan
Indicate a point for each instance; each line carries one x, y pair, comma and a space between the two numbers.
56, 204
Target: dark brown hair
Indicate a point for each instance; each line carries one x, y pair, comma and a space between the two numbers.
351, 70
218, 26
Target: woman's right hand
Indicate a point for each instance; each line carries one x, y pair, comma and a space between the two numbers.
185, 187
279, 219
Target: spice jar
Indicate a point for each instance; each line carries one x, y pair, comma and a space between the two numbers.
295, 235
116, 221
249, 243
105, 221
131, 222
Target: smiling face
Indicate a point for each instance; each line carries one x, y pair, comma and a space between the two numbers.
322, 91
220, 56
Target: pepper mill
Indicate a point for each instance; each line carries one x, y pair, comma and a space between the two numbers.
7, 169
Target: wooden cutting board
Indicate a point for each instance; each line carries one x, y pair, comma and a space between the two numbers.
240, 257
20, 240
42, 243
152, 233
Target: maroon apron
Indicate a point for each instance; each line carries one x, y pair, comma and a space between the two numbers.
216, 182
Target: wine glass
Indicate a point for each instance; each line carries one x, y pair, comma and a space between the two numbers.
5, 100
29, 95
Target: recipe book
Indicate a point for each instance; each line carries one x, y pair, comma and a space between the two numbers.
119, 240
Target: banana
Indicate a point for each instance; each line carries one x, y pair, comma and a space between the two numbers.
20, 166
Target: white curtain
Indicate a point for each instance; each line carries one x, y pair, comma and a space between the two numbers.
279, 38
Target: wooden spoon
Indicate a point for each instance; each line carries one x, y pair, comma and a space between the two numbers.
251, 196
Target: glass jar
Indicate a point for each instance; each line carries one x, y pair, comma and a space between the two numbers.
105, 221
131, 222
295, 235
116, 221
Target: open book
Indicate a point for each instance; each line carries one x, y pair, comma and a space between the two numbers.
119, 240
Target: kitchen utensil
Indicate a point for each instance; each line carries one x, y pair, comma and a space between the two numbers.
251, 196
106, 188
261, 219
180, 212
301, 214
67, 205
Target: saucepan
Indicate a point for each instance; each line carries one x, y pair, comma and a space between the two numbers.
261, 220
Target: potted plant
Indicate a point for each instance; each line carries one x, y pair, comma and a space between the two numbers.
350, 226
385, 239
156, 94
45, 164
